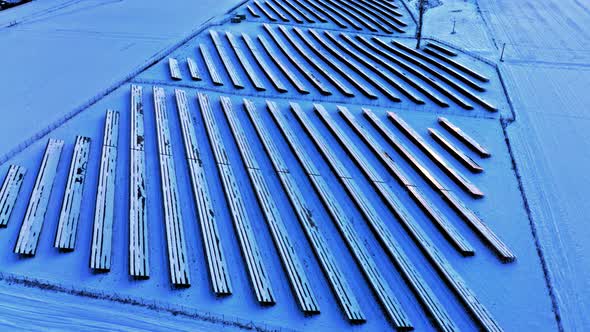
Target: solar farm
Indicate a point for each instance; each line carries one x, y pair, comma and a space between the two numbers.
285, 165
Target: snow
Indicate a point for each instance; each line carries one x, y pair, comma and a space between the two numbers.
62, 311
160, 73
547, 73
76, 59
551, 148
547, 69
489, 279
552, 32
470, 32
66, 54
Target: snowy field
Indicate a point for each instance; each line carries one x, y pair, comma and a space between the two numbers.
550, 139
63, 55
521, 278
548, 69
71, 60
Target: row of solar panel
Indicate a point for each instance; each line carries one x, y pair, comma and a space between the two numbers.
361, 64
375, 16
139, 266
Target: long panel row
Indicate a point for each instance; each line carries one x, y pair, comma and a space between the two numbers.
104, 211
345, 225
212, 110
370, 15
413, 229
175, 238
285, 58
283, 242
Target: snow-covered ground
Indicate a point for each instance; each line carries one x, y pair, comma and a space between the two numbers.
547, 74
62, 55
470, 31
65, 56
551, 144
489, 279
33, 309
547, 69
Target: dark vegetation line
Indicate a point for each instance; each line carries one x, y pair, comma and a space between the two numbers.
5, 4
546, 274
409, 12
486, 24
548, 281
505, 123
174, 310
29, 18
